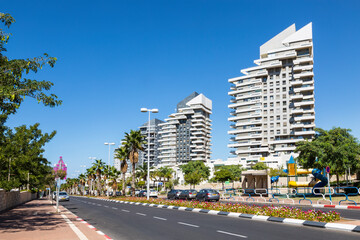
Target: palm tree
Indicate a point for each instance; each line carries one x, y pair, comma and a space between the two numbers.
122, 154
141, 171
166, 173
90, 173
133, 142
113, 176
99, 167
82, 181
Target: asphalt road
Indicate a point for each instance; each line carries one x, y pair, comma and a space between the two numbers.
124, 221
344, 213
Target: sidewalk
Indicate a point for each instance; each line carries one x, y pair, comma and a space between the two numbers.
38, 219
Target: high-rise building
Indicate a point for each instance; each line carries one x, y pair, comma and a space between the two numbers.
154, 142
273, 103
185, 135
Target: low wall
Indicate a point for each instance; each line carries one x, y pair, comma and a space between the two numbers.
15, 198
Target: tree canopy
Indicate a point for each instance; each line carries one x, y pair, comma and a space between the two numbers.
21, 149
336, 148
14, 84
195, 172
259, 166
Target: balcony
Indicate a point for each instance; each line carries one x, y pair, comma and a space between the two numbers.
303, 68
303, 74
301, 118
302, 60
296, 82
304, 89
303, 103
301, 133
297, 96
235, 105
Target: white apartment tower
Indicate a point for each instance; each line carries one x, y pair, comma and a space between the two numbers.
153, 142
185, 135
273, 103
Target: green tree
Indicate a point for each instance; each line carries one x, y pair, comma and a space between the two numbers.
259, 166
336, 148
133, 142
14, 86
277, 172
21, 157
195, 172
222, 175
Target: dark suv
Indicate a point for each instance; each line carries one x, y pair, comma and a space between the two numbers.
174, 194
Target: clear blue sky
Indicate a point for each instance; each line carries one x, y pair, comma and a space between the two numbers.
115, 57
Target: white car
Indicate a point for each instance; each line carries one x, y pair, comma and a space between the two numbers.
153, 194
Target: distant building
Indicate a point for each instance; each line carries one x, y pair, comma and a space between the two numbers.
185, 135
154, 142
273, 103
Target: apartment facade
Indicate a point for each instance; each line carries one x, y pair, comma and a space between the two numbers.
153, 140
273, 104
185, 135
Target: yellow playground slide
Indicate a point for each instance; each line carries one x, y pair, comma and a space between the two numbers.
302, 184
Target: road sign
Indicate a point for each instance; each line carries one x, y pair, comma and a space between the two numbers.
328, 169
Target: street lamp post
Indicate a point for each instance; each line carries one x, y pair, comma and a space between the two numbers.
148, 161
109, 150
107, 190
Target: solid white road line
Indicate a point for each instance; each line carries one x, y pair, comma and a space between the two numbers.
164, 219
125, 210
232, 234
74, 228
188, 224
142, 214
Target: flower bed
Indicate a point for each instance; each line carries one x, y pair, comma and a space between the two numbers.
273, 211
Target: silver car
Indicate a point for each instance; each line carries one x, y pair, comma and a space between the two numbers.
208, 195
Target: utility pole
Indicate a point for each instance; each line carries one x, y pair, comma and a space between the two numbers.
9, 169
28, 181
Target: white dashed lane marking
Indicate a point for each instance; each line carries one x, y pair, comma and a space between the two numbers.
232, 234
164, 219
188, 224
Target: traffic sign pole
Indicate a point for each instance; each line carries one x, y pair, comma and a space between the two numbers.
328, 177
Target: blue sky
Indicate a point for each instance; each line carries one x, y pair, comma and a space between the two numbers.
115, 57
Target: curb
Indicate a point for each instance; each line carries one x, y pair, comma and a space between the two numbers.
292, 221
89, 225
335, 206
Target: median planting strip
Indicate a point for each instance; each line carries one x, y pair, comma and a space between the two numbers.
286, 215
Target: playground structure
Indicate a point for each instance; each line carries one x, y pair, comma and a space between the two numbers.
294, 172
257, 184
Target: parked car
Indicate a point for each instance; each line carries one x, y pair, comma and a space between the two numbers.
63, 196
188, 194
208, 195
152, 193
174, 194
141, 193
137, 191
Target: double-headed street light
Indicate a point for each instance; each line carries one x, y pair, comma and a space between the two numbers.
109, 150
148, 162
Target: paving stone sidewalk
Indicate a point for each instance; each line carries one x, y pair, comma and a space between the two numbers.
38, 220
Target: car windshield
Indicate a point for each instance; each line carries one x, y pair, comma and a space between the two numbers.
62, 193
